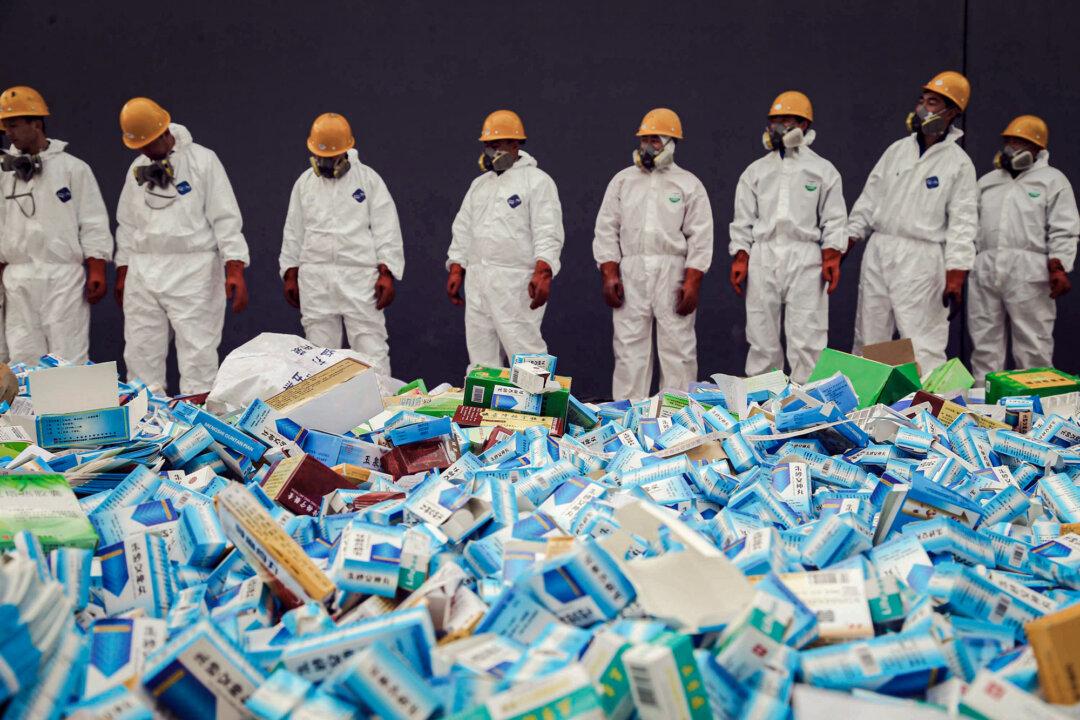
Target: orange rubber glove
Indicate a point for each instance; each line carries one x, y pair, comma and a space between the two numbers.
612, 288
384, 288
830, 267
740, 268
454, 283
1059, 279
953, 297
540, 285
118, 290
235, 287
292, 286
686, 300
96, 284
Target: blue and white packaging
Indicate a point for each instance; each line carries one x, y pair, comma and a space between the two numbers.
158, 517
904, 557
367, 559
387, 687
136, 573
582, 586
901, 663
71, 568
272, 428
570, 500
419, 432
200, 673
188, 446
119, 648
276, 698
224, 433
1061, 496
407, 632
515, 399
200, 538
541, 361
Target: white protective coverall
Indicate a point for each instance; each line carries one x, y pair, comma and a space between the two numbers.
921, 216
655, 224
787, 209
338, 231
175, 243
1024, 222
44, 279
506, 223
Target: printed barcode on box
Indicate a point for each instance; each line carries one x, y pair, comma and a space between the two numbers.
826, 616
866, 659
641, 682
478, 394
1018, 556
825, 578
1001, 608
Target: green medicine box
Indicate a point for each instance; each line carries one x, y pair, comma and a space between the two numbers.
482, 381
874, 382
1043, 382
45, 505
950, 376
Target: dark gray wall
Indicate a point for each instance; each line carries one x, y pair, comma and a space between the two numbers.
415, 80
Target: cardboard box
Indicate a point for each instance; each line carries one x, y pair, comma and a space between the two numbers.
891, 352
950, 376
1055, 638
481, 382
947, 411
874, 381
419, 457
79, 406
468, 416
1043, 382
334, 400
444, 405
299, 482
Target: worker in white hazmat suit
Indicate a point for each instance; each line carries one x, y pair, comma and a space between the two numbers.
179, 251
341, 249
919, 211
1028, 227
507, 238
787, 239
653, 243
54, 237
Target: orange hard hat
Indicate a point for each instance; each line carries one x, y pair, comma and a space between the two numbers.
792, 102
952, 85
142, 121
330, 135
661, 121
502, 125
1029, 127
22, 101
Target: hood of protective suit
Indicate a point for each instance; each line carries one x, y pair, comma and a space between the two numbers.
55, 148
953, 135
524, 160
181, 135
1042, 159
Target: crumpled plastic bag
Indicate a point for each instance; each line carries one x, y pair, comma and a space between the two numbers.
272, 362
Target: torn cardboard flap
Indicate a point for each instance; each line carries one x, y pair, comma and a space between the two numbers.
75, 388
893, 352
1055, 638
721, 591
